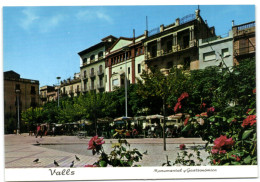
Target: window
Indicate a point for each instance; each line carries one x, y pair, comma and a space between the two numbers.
92, 57
209, 56
17, 87
100, 54
139, 68
85, 74
33, 102
85, 60
100, 69
128, 70
225, 52
141, 51
136, 52
115, 82
85, 85
33, 90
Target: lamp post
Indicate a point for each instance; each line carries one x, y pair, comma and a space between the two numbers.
18, 110
125, 49
58, 78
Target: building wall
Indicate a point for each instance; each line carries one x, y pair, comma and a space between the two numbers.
211, 49
28, 97
71, 88
244, 41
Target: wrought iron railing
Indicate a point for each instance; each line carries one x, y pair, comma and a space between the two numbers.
153, 31
187, 18
245, 26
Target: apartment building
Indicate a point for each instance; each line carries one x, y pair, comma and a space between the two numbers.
47, 94
124, 58
92, 68
244, 41
216, 51
19, 95
176, 44
70, 87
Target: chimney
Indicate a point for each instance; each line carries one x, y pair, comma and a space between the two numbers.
161, 28
233, 23
177, 21
146, 33
197, 12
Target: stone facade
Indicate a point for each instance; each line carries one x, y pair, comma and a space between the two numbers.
177, 43
244, 41
18, 90
70, 87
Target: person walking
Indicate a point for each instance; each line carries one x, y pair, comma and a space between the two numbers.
53, 130
38, 130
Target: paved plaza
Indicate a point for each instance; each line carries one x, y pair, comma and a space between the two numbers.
22, 150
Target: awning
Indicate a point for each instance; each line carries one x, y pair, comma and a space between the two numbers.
84, 121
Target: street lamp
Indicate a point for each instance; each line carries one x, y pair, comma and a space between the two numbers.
58, 78
125, 49
18, 109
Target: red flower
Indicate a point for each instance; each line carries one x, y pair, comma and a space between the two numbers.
211, 109
254, 91
248, 111
214, 161
90, 165
220, 142
214, 151
204, 114
95, 144
229, 142
186, 121
182, 146
251, 119
203, 105
177, 107
183, 96
238, 158
222, 152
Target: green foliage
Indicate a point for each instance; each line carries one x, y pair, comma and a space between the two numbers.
120, 156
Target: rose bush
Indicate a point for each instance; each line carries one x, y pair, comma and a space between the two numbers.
118, 157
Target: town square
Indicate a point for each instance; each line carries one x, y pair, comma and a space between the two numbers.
168, 86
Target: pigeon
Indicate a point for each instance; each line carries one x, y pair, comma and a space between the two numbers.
72, 164
77, 158
145, 152
36, 160
56, 163
37, 142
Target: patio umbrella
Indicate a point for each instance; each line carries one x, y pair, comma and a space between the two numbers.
105, 120
123, 118
140, 118
84, 121
156, 116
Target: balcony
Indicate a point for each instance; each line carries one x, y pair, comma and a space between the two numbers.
92, 74
100, 72
244, 51
91, 87
100, 85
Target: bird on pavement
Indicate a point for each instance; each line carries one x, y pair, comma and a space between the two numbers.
56, 163
72, 164
77, 158
36, 160
37, 142
145, 152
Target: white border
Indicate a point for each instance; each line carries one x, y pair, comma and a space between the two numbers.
43, 174
133, 173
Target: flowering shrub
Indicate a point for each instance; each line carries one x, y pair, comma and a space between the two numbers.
182, 146
95, 144
118, 157
178, 105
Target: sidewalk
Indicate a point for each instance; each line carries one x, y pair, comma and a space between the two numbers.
22, 150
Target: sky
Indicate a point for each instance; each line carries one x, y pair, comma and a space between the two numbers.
42, 42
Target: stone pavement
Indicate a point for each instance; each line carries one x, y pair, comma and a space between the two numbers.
22, 150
